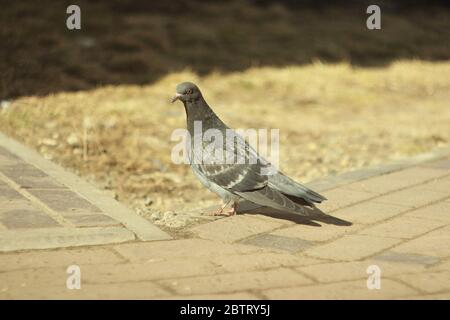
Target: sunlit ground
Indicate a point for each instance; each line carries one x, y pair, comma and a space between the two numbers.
332, 118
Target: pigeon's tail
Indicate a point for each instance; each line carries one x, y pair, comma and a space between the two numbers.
270, 197
294, 190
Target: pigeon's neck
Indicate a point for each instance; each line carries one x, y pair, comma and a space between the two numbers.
198, 110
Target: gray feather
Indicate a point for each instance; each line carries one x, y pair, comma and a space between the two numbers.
272, 198
288, 186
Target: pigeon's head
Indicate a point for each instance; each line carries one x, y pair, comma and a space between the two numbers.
187, 91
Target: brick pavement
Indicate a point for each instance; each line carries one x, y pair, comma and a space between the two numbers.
395, 217
43, 206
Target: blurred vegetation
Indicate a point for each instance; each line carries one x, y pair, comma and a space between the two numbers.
137, 42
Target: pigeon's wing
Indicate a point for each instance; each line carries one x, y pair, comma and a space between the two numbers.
234, 177
232, 164
248, 175
290, 187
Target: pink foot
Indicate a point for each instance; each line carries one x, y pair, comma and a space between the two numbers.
218, 212
233, 210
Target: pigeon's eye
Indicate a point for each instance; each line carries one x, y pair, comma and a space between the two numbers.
189, 91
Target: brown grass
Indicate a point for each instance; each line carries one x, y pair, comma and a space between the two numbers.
332, 118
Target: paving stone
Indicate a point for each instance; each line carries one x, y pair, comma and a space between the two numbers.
6, 161
20, 169
26, 218
397, 180
342, 290
406, 258
159, 250
310, 233
369, 212
258, 261
364, 174
279, 242
47, 238
439, 164
351, 247
132, 290
402, 227
219, 296
438, 211
325, 184
56, 258
442, 266
16, 204
175, 268
28, 176
236, 282
64, 201
33, 278
90, 220
412, 197
272, 218
19, 212
234, 228
342, 197
435, 243
8, 194
7, 154
437, 296
430, 282
441, 185
342, 271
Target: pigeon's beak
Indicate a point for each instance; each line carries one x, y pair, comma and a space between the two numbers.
176, 97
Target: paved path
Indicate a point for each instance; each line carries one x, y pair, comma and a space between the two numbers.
393, 219
43, 206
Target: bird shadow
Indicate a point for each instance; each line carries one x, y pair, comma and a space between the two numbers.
314, 214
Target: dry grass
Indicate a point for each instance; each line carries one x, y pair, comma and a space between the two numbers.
332, 118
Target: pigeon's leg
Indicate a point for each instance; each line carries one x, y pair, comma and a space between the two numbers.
233, 209
220, 210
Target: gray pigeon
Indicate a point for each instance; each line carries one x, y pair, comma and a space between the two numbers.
255, 179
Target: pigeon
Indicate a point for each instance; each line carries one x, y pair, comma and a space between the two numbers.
254, 179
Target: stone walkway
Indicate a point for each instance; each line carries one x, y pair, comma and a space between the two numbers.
43, 206
392, 221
